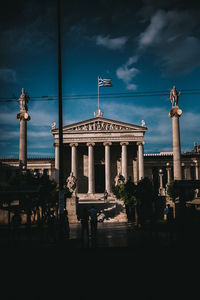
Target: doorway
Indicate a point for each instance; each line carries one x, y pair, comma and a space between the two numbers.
99, 178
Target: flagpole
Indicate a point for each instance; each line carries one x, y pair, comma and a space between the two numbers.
98, 92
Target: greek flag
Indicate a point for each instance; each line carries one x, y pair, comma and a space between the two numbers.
104, 82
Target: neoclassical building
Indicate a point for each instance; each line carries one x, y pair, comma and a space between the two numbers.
97, 150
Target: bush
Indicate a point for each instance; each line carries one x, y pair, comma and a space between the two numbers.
138, 197
184, 193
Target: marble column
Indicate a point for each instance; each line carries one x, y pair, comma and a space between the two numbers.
196, 176
140, 160
91, 175
56, 163
74, 158
161, 189
175, 113
124, 160
23, 142
74, 162
196, 169
187, 173
23, 116
135, 171
107, 166
168, 169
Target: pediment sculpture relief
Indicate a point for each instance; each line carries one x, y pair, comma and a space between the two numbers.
99, 126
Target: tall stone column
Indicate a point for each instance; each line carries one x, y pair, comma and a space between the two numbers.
135, 171
168, 173
91, 175
74, 162
196, 169
124, 160
175, 114
23, 116
187, 173
107, 166
74, 158
56, 163
161, 188
140, 160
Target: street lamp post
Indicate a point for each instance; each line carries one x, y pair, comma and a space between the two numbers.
161, 189
60, 118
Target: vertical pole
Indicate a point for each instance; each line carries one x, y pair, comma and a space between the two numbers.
98, 92
61, 191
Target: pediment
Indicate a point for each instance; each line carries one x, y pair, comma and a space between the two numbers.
101, 124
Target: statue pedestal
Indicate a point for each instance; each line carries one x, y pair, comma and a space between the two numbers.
71, 206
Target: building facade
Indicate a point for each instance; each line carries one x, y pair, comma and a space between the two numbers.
97, 150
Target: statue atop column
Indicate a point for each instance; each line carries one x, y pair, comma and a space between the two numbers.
71, 182
174, 95
23, 100
175, 113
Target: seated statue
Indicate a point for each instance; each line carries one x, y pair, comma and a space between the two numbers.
119, 179
71, 182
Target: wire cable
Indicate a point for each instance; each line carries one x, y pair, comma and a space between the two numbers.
104, 96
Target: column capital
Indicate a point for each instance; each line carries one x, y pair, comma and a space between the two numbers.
107, 143
175, 112
196, 162
140, 143
124, 143
23, 115
90, 144
73, 144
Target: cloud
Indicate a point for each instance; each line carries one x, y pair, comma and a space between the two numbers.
111, 43
39, 134
7, 118
8, 75
159, 134
171, 36
152, 33
127, 72
39, 154
9, 134
184, 57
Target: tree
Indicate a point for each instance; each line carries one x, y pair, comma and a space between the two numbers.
146, 197
184, 193
46, 197
126, 192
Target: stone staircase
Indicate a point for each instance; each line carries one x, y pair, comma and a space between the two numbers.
112, 209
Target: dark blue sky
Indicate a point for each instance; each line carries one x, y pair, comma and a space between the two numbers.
141, 45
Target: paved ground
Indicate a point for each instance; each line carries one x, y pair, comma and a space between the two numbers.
110, 237
120, 259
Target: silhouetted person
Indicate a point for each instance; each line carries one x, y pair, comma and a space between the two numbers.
84, 218
64, 228
105, 196
93, 220
16, 222
51, 225
170, 222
